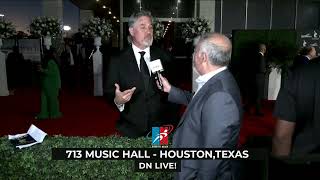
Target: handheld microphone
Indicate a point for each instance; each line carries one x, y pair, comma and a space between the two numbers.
156, 68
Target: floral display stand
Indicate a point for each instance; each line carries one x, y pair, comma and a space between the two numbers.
97, 69
3, 74
47, 42
97, 28
6, 30
45, 28
191, 29
274, 84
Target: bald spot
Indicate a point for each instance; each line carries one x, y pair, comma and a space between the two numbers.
220, 40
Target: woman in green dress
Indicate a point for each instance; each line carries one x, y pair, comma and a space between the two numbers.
50, 85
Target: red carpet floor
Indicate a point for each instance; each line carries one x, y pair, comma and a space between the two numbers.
85, 115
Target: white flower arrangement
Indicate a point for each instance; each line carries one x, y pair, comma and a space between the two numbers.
194, 27
45, 26
97, 27
158, 30
6, 29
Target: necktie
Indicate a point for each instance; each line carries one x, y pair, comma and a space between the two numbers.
143, 66
144, 70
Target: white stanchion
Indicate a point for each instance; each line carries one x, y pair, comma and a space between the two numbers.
274, 84
47, 42
97, 69
3, 74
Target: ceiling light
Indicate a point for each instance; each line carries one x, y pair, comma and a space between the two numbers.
1, 15
109, 12
114, 17
66, 28
104, 6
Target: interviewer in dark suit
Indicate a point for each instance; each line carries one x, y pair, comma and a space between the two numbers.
213, 116
130, 84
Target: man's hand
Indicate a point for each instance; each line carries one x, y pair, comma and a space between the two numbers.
165, 83
122, 97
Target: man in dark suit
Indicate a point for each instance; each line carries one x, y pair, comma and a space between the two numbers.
304, 57
130, 84
297, 129
213, 116
260, 70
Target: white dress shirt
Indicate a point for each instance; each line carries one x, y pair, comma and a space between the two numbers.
261, 53
137, 55
202, 80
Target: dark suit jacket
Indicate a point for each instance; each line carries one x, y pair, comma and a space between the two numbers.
299, 61
261, 67
212, 120
145, 107
299, 101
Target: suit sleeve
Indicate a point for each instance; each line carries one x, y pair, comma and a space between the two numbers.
179, 96
285, 107
112, 78
220, 124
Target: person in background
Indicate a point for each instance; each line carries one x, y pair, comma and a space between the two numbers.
50, 86
260, 70
15, 61
297, 110
68, 68
305, 55
213, 115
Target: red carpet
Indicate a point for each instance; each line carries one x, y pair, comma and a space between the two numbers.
258, 126
85, 115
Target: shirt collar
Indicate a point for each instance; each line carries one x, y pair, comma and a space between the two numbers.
204, 78
136, 50
137, 55
201, 80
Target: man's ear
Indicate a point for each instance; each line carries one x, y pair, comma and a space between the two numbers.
131, 31
204, 57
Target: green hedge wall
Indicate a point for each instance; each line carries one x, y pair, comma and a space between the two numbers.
281, 46
35, 162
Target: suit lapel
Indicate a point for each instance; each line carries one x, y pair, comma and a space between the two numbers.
194, 99
132, 61
133, 69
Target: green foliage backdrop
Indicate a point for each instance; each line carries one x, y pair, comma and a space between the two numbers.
281, 46
35, 162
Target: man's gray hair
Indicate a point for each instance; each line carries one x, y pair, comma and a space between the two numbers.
218, 54
135, 16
